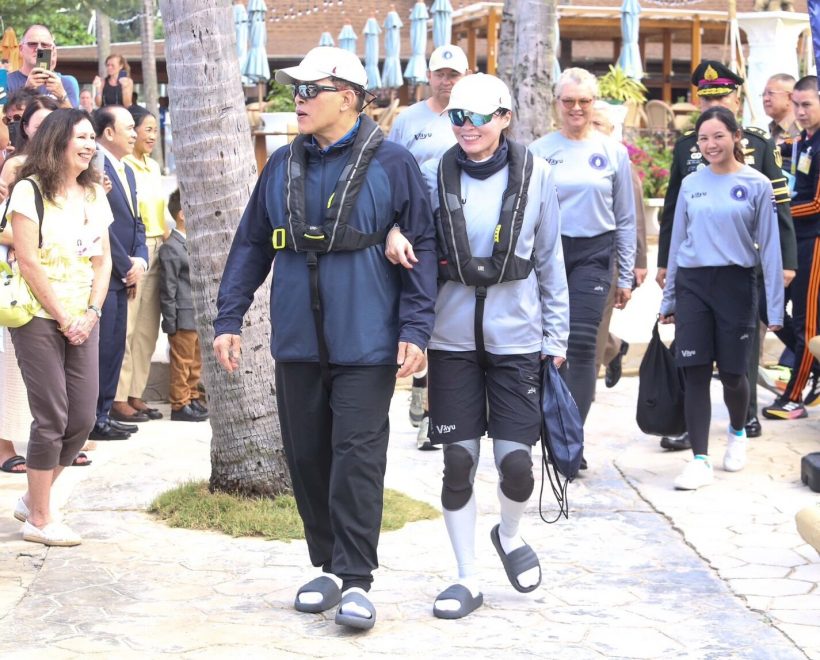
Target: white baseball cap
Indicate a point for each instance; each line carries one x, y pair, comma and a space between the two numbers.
480, 93
324, 62
448, 57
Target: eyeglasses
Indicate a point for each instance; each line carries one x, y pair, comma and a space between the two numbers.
311, 90
10, 120
39, 44
569, 104
458, 117
773, 92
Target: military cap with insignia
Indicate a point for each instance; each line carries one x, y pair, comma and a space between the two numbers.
713, 79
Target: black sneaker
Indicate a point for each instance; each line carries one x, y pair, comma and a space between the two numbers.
197, 405
188, 414
753, 429
615, 368
811, 397
676, 442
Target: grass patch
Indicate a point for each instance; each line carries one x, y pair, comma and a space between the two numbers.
192, 506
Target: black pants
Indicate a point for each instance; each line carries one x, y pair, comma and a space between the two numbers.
588, 262
113, 324
336, 446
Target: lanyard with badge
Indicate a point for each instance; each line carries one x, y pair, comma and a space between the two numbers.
803, 161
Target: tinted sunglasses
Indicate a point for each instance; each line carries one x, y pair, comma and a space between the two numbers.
10, 120
458, 117
311, 90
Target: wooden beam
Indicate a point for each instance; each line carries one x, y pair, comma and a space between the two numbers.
667, 66
642, 51
492, 40
696, 51
471, 57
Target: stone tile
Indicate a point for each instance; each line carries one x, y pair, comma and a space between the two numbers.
800, 617
809, 572
755, 571
771, 587
770, 557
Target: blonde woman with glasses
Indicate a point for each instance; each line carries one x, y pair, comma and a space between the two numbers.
594, 182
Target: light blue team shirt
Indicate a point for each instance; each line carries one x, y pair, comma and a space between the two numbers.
522, 316
426, 134
727, 220
594, 183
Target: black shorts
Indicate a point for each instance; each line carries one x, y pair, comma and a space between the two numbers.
467, 401
716, 315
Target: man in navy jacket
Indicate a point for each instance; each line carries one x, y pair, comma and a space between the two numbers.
129, 257
335, 372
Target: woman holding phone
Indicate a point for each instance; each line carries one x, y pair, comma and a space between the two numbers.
725, 223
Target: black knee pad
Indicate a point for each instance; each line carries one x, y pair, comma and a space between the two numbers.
456, 486
517, 482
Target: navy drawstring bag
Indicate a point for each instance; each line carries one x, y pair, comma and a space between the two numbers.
562, 438
660, 390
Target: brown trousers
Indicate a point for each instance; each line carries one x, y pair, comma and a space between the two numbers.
185, 368
61, 382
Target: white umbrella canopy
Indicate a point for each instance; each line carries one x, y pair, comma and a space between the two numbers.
416, 70
257, 69
442, 22
348, 38
391, 69
630, 59
371, 34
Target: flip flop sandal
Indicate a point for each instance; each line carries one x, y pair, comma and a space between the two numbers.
82, 463
519, 560
465, 598
331, 595
352, 620
13, 462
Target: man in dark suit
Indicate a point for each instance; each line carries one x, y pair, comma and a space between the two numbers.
129, 256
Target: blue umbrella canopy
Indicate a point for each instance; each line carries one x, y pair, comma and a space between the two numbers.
326, 39
240, 25
416, 70
391, 69
371, 34
630, 59
442, 22
256, 67
348, 38
556, 65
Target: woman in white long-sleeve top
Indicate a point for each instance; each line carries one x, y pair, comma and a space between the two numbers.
725, 223
501, 310
594, 181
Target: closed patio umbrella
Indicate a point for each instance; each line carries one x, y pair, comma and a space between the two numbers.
391, 70
442, 22
240, 25
348, 38
371, 33
630, 59
556, 65
10, 49
326, 39
416, 70
257, 69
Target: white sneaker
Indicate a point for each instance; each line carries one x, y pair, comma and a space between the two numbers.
697, 473
734, 459
416, 405
21, 511
55, 533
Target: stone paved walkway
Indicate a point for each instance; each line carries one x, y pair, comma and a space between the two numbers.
638, 571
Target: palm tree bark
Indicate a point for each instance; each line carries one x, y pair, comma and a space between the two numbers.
102, 30
217, 171
149, 69
526, 65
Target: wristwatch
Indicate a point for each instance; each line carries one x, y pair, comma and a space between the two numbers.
62, 99
96, 310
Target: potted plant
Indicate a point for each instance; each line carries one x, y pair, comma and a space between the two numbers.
621, 91
652, 161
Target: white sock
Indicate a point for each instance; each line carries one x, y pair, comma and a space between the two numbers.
511, 514
461, 528
314, 597
352, 608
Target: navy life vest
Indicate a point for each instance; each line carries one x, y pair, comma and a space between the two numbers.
334, 234
456, 261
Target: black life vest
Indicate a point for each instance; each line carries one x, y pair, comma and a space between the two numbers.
457, 262
334, 234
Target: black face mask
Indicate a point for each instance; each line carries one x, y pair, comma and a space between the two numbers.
15, 135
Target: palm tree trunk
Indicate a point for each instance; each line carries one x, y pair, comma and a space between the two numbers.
217, 172
102, 30
526, 65
149, 69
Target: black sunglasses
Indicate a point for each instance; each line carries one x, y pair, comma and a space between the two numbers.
10, 120
311, 90
477, 119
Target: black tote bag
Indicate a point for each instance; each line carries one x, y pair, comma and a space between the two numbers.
660, 390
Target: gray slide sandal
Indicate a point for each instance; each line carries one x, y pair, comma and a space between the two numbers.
353, 621
462, 594
519, 560
331, 595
